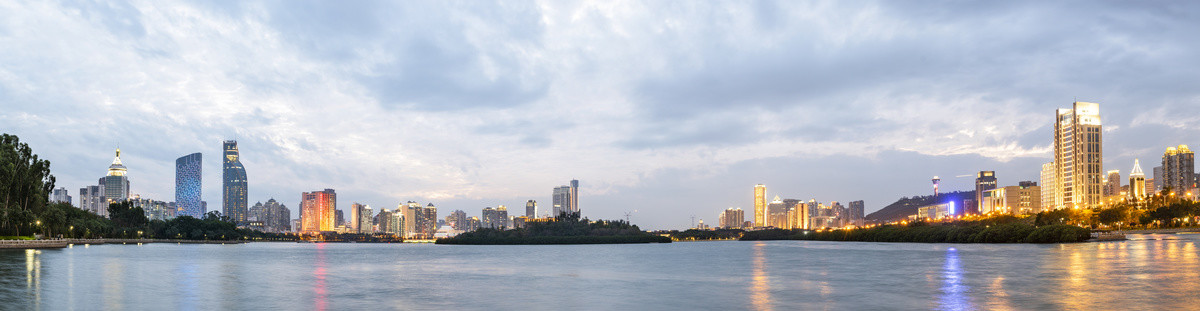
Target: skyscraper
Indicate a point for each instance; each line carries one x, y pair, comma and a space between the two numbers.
1048, 189
776, 214
1179, 169
187, 185
760, 205
1137, 182
530, 209
566, 199
1078, 155
411, 211
574, 196
356, 211
732, 218
1158, 180
316, 210
116, 184
274, 216
233, 183
365, 224
984, 181
1112, 183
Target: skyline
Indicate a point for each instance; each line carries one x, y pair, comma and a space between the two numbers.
671, 112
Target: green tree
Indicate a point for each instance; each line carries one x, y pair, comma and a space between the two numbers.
25, 185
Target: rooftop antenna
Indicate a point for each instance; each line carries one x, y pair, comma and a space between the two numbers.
627, 213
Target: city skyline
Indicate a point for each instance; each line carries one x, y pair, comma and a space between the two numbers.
861, 101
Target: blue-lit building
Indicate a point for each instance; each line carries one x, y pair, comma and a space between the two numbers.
233, 183
187, 186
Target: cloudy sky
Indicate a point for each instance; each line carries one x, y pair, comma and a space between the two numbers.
667, 109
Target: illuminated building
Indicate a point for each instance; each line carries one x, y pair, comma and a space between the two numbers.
936, 211
1179, 169
154, 210
574, 197
233, 182
777, 214
732, 218
1112, 183
396, 224
530, 209
364, 220
115, 185
1049, 192
316, 210
1013, 200
1137, 182
61, 195
1078, 155
760, 205
411, 211
984, 181
495, 218
187, 185
857, 213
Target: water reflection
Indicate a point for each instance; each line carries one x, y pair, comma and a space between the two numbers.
760, 295
33, 274
320, 296
954, 292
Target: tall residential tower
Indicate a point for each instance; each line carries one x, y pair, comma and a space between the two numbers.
760, 205
1078, 155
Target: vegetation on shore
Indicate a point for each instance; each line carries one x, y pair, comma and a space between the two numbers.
705, 235
1001, 229
565, 229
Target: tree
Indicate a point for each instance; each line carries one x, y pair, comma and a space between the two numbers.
124, 215
25, 185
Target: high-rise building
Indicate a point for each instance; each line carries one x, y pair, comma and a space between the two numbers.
411, 210
364, 220
339, 218
1112, 183
188, 171
233, 181
760, 205
356, 211
275, 217
61, 195
776, 214
1049, 192
396, 224
91, 198
937, 181
984, 181
494, 218
732, 218
561, 200
458, 220
1022, 199
530, 210
116, 184
857, 213
1159, 180
574, 196
316, 210
1078, 155
566, 199
1179, 169
1137, 182
428, 221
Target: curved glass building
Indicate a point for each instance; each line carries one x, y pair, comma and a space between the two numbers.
187, 186
233, 182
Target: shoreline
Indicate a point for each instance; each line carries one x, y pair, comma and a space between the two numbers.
64, 243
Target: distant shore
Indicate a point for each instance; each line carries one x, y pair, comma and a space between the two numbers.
1161, 231
62, 243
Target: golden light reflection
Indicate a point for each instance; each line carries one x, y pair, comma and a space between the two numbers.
760, 289
320, 295
33, 274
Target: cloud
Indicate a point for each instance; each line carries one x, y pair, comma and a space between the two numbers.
468, 103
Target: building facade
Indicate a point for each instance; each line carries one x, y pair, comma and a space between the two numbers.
760, 205
115, 185
858, 214
1078, 156
233, 184
1137, 183
188, 172
317, 210
1024, 199
732, 218
61, 195
984, 181
1179, 169
1112, 183
530, 209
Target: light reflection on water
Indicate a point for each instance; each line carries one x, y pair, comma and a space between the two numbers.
1142, 274
954, 291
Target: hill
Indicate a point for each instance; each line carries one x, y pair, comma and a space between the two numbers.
906, 206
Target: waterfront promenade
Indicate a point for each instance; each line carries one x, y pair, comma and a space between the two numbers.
61, 243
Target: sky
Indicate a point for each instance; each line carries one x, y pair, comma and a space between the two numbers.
665, 110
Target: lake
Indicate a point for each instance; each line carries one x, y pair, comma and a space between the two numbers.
1152, 272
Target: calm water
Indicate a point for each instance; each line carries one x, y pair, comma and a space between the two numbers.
784, 275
